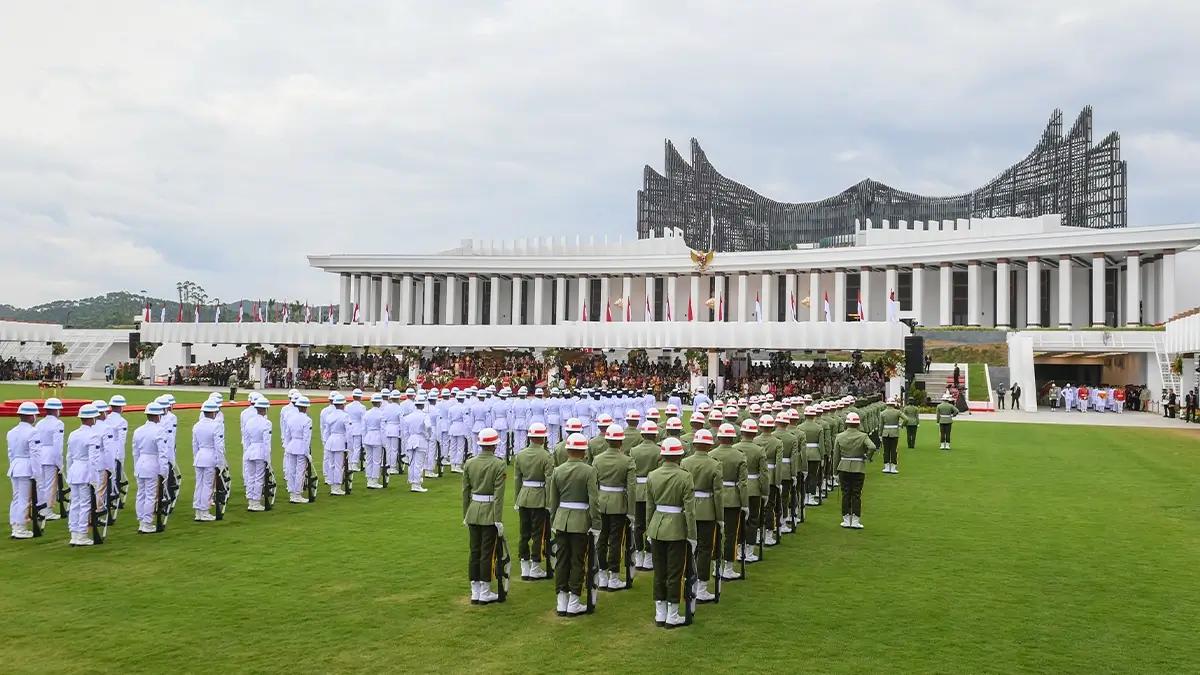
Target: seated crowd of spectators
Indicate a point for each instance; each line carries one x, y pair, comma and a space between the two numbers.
13, 369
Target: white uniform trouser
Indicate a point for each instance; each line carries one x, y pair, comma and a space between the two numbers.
474, 441
293, 472
555, 434
77, 517
147, 493
520, 437
328, 468
18, 509
356, 451
1083, 405
1120, 406
392, 446
203, 496
374, 461
337, 467
458, 450
502, 444
46, 483
444, 440
416, 465
256, 475
431, 458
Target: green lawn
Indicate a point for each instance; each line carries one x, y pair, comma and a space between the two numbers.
977, 389
1028, 548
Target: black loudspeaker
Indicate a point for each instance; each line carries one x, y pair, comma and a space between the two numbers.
914, 355
135, 341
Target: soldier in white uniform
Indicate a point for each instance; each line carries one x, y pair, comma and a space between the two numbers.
116, 404
373, 441
208, 457
256, 454
149, 465
334, 438
459, 429
521, 411
24, 460
85, 459
322, 422
552, 408
355, 410
435, 414
106, 435
502, 422
297, 450
443, 429
50, 458
391, 431
417, 430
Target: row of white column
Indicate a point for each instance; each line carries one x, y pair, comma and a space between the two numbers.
392, 297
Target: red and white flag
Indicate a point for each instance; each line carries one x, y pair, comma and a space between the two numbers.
179, 315
861, 316
608, 312
649, 310
758, 316
828, 317
721, 308
893, 309
387, 314
146, 313
691, 314
355, 319
196, 318
628, 310
241, 309
667, 314
792, 300
332, 318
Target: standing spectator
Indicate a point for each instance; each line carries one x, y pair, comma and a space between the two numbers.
1016, 396
1000, 396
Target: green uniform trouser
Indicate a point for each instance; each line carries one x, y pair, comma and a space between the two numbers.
945, 429
535, 532
773, 509
753, 521
814, 478
889, 449
912, 436
614, 528
785, 502
639, 526
482, 562
735, 532
706, 546
669, 560
852, 485
572, 556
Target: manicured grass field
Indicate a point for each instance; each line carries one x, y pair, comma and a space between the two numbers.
1036, 548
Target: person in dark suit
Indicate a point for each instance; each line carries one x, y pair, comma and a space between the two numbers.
1015, 394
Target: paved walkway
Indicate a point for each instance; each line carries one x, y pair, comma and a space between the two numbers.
1125, 419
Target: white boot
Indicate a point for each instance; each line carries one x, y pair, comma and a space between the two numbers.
417, 487
615, 582
574, 606
637, 558
647, 560
374, 485
455, 468
486, 594
524, 569
727, 572
660, 613
602, 578
846, 520
255, 505
49, 514
674, 618
856, 523
748, 554
536, 571
702, 594
811, 500
146, 528
562, 604
887, 468
336, 490
84, 540
298, 498
392, 471
474, 592
769, 538
895, 468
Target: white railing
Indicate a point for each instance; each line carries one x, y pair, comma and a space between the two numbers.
1183, 335
1095, 340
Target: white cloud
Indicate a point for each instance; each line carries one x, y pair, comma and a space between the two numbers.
222, 142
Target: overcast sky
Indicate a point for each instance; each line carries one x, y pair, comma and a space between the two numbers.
145, 143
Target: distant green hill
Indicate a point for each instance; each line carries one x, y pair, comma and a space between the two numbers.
118, 310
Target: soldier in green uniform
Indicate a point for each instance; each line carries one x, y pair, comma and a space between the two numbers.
715, 419
706, 477
632, 419
674, 429
575, 516
809, 436
573, 425
946, 412
646, 458
735, 498
532, 467
743, 411
853, 450
891, 419
672, 528
597, 444
757, 486
616, 475
772, 449
912, 419
696, 422
483, 508
787, 469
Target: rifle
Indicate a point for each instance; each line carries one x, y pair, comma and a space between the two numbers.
628, 553
221, 482
174, 482
384, 477
762, 530
437, 458
37, 521
270, 486
737, 540
111, 498
347, 474
311, 481
162, 505
720, 560
549, 546
62, 492
122, 485
97, 519
797, 504
591, 573
503, 565
689, 584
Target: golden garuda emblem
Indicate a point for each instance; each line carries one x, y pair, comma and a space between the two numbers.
702, 259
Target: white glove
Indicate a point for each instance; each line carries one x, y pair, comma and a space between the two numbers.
693, 543
595, 535
746, 511
464, 522
499, 529
516, 508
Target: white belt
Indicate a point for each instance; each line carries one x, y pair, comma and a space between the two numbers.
752, 476
702, 494
533, 483
611, 488
787, 460
642, 479
668, 509
482, 498
577, 506
728, 483
771, 467
854, 459
891, 426
812, 445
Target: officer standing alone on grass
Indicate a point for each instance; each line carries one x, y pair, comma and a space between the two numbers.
483, 482
892, 419
912, 419
672, 531
946, 412
853, 450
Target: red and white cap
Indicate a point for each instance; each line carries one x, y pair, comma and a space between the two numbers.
614, 432
672, 409
604, 419
727, 430
671, 447
749, 426
811, 411
715, 414
703, 437
766, 421
574, 425
577, 442
674, 423
652, 412
755, 409
697, 418
852, 418
488, 436
538, 430
649, 428
632, 414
